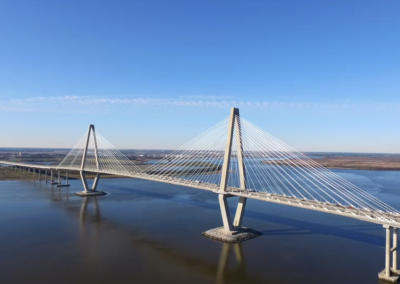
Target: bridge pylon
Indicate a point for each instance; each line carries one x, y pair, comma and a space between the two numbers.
232, 232
93, 190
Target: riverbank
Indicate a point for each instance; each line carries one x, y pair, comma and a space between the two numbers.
10, 174
349, 163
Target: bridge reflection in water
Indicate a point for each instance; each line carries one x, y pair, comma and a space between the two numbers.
240, 267
224, 271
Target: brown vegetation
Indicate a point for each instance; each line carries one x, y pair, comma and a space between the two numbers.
355, 163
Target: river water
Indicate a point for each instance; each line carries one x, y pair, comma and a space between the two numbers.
148, 232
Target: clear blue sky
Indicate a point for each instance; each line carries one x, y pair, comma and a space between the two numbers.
320, 75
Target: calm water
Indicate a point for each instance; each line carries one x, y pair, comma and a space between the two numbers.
148, 232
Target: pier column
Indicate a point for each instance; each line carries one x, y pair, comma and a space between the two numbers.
387, 251
40, 173
239, 212
394, 252
45, 176
66, 177
226, 215
51, 176
59, 177
96, 182
387, 274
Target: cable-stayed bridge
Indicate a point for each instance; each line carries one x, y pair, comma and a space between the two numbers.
235, 158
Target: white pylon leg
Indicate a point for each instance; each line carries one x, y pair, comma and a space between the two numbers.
239, 212
226, 216
84, 181
95, 182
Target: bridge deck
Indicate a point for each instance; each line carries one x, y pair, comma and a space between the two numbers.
382, 218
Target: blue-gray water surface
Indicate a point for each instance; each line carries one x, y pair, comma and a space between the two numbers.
149, 232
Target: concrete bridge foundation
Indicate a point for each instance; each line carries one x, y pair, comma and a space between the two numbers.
390, 273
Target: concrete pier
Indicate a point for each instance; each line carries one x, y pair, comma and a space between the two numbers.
235, 236
66, 181
389, 274
52, 182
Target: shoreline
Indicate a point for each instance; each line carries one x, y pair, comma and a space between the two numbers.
346, 163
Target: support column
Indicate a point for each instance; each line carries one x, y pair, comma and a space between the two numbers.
45, 176
95, 182
387, 251
66, 180
394, 252
239, 212
386, 274
52, 178
40, 174
84, 181
92, 191
226, 216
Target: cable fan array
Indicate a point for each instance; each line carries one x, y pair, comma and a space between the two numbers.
271, 167
110, 160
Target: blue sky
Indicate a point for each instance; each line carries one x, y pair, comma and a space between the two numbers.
319, 75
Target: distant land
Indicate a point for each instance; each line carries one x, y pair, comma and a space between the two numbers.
372, 162
143, 158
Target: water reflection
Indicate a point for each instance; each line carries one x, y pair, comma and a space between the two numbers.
83, 212
57, 195
224, 261
90, 221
